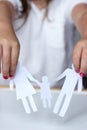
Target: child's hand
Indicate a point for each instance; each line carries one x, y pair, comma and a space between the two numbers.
9, 51
80, 57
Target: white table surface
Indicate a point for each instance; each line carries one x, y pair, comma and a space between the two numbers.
13, 116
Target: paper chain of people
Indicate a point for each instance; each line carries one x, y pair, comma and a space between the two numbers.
25, 91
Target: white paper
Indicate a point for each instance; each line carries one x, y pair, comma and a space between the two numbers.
26, 106
11, 84
24, 88
71, 80
45, 91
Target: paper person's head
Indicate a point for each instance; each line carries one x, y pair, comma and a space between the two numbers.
44, 78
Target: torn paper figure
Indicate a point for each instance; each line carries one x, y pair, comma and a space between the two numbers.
45, 91
24, 89
71, 80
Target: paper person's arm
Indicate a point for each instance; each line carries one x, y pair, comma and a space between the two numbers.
38, 83
11, 84
60, 76
80, 85
28, 75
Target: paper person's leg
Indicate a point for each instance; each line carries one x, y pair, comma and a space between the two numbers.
65, 105
43, 97
44, 103
31, 100
26, 105
49, 102
11, 84
80, 85
58, 102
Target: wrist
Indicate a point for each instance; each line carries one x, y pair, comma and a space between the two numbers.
6, 29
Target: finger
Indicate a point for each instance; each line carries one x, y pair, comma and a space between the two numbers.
6, 56
0, 56
83, 67
14, 60
77, 59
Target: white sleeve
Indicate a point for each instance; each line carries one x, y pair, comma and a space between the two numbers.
71, 4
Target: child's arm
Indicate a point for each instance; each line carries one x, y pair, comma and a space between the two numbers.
9, 45
79, 15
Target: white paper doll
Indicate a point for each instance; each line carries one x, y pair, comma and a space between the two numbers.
45, 91
71, 80
24, 89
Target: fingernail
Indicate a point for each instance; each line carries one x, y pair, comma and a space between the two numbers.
77, 71
5, 77
11, 76
82, 74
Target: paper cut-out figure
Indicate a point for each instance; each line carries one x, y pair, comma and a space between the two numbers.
72, 79
45, 91
24, 89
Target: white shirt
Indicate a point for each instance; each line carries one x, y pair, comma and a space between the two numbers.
44, 41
